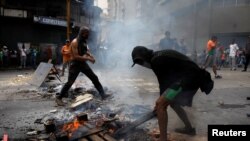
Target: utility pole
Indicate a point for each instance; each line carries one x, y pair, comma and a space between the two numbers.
195, 14
68, 18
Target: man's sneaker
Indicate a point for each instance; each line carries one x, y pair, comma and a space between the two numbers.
244, 70
218, 76
188, 131
59, 102
105, 96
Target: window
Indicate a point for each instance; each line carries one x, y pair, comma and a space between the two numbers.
229, 3
218, 3
243, 2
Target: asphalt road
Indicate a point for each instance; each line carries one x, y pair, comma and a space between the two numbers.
226, 104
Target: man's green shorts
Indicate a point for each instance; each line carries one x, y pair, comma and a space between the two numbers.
170, 94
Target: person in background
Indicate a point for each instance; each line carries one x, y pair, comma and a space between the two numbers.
222, 59
33, 57
5, 56
1, 58
247, 54
23, 57
179, 79
232, 54
166, 42
13, 58
66, 53
211, 55
240, 58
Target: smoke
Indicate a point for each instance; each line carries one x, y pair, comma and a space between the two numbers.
137, 23
141, 23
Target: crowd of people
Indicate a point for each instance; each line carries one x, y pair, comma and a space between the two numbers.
230, 56
18, 58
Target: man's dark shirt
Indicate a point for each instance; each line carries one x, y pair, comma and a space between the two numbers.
82, 48
172, 67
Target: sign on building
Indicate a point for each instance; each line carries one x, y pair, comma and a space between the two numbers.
50, 21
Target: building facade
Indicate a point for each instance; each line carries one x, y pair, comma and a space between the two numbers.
38, 24
193, 20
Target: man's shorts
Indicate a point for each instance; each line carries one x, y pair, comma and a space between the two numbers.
183, 98
210, 60
170, 94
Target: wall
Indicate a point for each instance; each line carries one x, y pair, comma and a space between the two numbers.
226, 23
13, 30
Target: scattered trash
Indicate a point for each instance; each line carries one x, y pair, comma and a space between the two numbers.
53, 111
38, 121
221, 103
32, 133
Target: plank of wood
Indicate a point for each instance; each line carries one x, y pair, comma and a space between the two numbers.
95, 138
107, 137
89, 133
92, 131
81, 100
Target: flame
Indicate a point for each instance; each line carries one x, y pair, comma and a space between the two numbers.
72, 126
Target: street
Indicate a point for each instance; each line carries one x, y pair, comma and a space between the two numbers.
20, 105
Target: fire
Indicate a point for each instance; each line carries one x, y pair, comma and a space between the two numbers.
72, 126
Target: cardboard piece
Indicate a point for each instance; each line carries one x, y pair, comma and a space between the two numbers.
40, 74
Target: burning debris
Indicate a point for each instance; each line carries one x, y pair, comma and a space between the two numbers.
87, 118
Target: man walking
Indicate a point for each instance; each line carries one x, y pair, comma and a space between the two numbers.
211, 56
179, 79
80, 56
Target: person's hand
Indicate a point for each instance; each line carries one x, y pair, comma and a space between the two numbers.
89, 54
92, 59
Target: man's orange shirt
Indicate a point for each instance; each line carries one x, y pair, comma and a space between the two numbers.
66, 52
211, 47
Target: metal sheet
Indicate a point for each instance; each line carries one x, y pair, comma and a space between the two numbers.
40, 74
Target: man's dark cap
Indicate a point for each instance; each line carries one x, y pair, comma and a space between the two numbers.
140, 53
